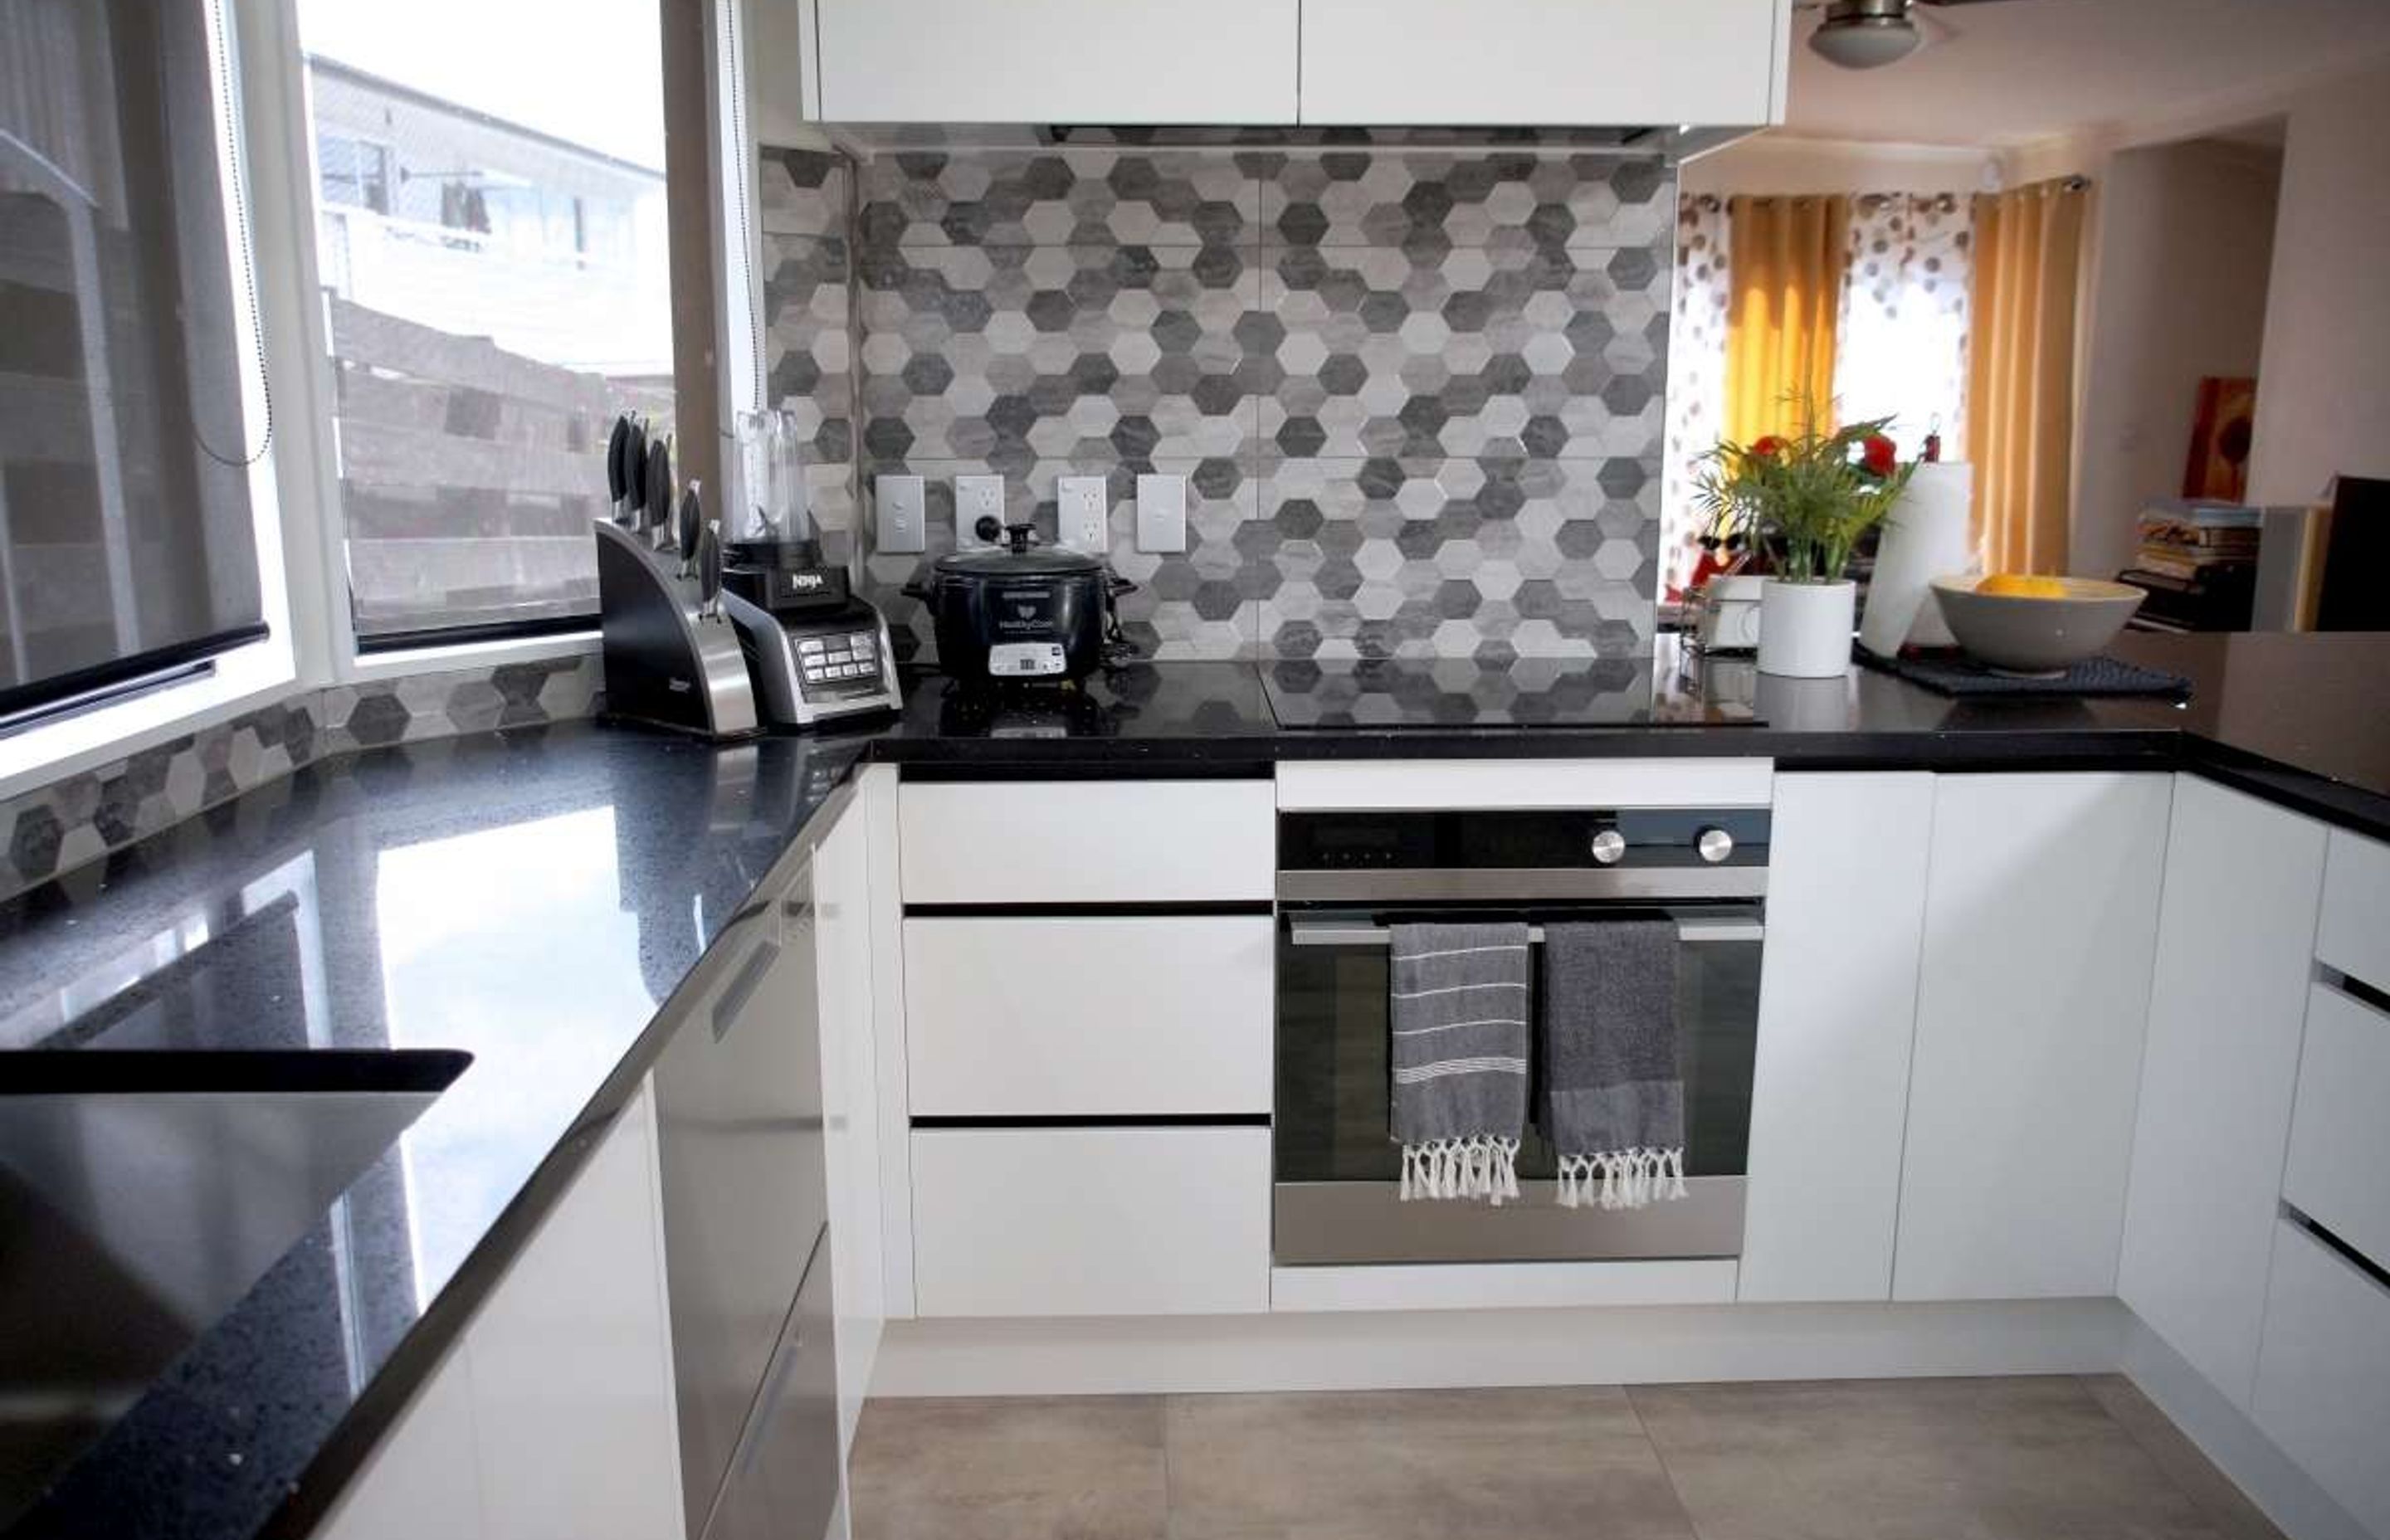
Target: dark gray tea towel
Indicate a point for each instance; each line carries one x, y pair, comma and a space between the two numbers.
1613, 1092
1458, 1010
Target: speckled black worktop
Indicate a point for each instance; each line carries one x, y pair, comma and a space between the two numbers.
534, 898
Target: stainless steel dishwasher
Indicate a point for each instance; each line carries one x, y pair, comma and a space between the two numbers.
739, 1098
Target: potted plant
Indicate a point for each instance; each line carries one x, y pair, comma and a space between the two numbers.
1803, 502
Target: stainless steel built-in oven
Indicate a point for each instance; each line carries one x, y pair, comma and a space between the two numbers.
1345, 878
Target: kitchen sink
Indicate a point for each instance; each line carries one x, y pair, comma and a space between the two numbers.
142, 1194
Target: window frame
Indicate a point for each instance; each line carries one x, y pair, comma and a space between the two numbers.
255, 673
345, 656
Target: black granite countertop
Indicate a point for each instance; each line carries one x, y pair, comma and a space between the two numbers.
534, 898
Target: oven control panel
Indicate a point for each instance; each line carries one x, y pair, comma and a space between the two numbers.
1541, 841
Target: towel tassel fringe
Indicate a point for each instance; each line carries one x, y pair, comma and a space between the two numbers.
1480, 1166
1621, 1178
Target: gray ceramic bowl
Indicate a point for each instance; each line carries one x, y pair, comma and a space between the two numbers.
2019, 634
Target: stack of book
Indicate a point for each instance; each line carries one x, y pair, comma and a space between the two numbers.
2184, 539
2198, 561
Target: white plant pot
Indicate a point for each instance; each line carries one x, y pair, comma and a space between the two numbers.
1805, 628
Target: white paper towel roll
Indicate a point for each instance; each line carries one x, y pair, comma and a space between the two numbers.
1925, 537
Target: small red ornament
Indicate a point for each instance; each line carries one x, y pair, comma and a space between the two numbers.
1767, 448
1878, 455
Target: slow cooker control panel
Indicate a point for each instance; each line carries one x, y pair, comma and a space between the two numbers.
1025, 660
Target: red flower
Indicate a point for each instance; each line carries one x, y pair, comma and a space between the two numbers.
1767, 448
1877, 455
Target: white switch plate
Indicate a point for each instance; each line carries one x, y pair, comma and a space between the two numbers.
977, 498
904, 526
1160, 513
1084, 515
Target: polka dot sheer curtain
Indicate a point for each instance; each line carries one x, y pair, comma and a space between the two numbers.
1900, 350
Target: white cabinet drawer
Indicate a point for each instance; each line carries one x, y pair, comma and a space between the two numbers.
1091, 1221
2340, 1146
2353, 934
1087, 841
1088, 1016
2323, 1373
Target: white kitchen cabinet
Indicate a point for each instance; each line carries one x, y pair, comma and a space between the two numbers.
2228, 993
2354, 934
570, 1363
1058, 61
2323, 1373
1093, 1015
1505, 62
2040, 921
885, 931
1146, 1221
1119, 841
553, 1412
424, 1477
850, 1106
2338, 1170
1837, 1013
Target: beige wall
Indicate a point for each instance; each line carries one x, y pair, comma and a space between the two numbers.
2177, 291
2323, 386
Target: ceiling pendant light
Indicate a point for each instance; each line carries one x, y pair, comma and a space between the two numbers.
1865, 34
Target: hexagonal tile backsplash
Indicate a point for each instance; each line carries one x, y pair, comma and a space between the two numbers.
1417, 394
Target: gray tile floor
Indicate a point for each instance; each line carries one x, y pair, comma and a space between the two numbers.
2041, 1458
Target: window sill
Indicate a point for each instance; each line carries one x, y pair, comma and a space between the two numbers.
244, 679
439, 660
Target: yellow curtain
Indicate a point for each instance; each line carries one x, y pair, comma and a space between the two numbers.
1785, 295
2021, 373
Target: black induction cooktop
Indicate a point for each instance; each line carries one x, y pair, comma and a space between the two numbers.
1461, 693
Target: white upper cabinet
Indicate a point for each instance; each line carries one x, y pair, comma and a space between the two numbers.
2040, 919
1837, 1011
1545, 62
1057, 61
2236, 931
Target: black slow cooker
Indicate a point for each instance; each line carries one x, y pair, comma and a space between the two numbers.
1017, 612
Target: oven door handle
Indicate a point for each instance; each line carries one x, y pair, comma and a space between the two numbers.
1305, 932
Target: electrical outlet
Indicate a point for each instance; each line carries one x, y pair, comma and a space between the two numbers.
1160, 513
1084, 515
979, 499
904, 523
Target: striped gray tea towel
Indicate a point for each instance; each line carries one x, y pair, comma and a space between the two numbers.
1613, 1092
1460, 1054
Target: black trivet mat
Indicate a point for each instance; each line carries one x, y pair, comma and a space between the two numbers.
1954, 673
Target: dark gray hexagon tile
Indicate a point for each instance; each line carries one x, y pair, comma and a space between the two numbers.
1016, 354
1057, 196
1203, 603
1428, 202
1424, 558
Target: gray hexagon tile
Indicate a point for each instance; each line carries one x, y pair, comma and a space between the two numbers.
1058, 197
1472, 352
803, 192
1201, 603
1016, 354
1487, 558
53, 829
1427, 204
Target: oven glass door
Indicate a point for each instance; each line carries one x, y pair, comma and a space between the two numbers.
1338, 1169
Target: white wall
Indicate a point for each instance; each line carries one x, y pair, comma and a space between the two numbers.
1781, 165
2177, 291
2323, 384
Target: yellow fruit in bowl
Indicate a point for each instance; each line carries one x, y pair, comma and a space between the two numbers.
2022, 585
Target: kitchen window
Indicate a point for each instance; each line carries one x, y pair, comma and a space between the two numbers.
489, 228
129, 553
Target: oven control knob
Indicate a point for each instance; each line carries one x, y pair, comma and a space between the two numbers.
1713, 845
1609, 847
